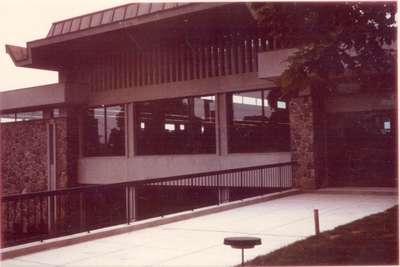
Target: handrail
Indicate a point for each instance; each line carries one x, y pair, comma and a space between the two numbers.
138, 182
46, 214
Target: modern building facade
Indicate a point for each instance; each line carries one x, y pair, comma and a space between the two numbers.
160, 89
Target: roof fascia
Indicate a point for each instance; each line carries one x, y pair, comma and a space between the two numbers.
183, 10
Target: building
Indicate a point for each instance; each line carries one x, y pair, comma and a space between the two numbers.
161, 89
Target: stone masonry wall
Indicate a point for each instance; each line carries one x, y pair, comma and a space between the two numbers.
304, 120
67, 151
24, 157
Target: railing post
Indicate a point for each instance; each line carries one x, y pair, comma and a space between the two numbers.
219, 191
130, 203
316, 221
51, 214
82, 211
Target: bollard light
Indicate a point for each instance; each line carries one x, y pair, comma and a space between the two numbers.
242, 242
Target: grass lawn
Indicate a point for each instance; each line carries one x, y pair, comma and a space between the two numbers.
372, 240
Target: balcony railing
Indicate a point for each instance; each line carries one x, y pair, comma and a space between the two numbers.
43, 215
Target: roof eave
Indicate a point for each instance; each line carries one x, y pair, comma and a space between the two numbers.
183, 10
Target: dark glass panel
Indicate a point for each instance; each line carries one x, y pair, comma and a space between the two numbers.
175, 126
28, 116
4, 118
259, 122
105, 131
247, 107
203, 125
115, 130
95, 132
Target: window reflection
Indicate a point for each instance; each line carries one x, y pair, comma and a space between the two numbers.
21, 116
105, 131
259, 122
176, 126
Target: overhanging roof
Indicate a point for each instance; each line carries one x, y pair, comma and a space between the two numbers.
109, 16
108, 20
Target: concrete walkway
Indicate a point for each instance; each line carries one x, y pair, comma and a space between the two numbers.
198, 241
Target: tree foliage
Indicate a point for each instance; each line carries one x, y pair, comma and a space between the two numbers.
333, 40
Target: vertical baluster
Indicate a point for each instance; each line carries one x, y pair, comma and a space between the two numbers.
113, 72
195, 62
255, 52
209, 58
103, 72
119, 71
41, 217
159, 63
223, 56
202, 66
153, 65
148, 66
235, 54
240, 50
133, 66
125, 68
172, 64
141, 68
184, 62
128, 55
216, 58
228, 47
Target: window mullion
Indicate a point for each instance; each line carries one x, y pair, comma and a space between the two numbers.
105, 129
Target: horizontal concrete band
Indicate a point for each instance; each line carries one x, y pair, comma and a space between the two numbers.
12, 252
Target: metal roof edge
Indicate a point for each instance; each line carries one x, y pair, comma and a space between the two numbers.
118, 25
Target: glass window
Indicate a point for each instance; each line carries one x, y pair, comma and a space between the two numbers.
259, 122
29, 116
176, 126
203, 125
4, 118
105, 131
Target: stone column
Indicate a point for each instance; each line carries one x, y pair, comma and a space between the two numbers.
67, 147
306, 130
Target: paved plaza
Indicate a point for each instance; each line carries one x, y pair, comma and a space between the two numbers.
199, 241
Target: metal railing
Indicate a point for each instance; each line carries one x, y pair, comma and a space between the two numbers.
43, 215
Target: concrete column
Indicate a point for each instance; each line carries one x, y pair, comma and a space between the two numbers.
222, 125
305, 131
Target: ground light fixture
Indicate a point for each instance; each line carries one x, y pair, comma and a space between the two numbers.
242, 242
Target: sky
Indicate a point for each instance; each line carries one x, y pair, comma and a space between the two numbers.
27, 20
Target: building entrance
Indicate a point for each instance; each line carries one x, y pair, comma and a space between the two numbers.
361, 148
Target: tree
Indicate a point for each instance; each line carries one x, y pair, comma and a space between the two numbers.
334, 41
